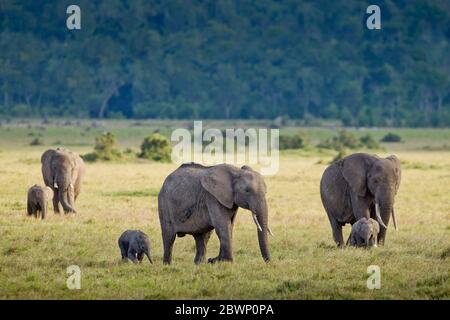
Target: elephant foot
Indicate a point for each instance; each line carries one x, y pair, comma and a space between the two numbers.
219, 259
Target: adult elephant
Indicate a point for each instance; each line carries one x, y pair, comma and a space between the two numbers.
63, 171
360, 185
195, 199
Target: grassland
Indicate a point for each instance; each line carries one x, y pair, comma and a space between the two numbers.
305, 264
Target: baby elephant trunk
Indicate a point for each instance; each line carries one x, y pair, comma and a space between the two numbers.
147, 253
367, 239
43, 205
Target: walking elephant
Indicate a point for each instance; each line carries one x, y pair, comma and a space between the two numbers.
37, 201
357, 186
63, 171
195, 199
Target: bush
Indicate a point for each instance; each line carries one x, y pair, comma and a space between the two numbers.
156, 147
344, 139
36, 142
104, 149
341, 154
296, 141
391, 137
21, 110
369, 142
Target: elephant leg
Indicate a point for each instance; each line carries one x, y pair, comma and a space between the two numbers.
359, 241
124, 252
381, 236
224, 232
337, 232
56, 202
132, 255
140, 256
168, 240
201, 240
29, 209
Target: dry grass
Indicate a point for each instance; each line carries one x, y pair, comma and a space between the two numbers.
34, 254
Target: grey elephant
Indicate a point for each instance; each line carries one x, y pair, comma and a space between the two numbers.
37, 201
133, 245
360, 185
63, 171
364, 233
195, 199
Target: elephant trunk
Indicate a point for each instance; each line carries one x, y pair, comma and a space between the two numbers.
261, 219
383, 213
43, 204
147, 253
64, 198
367, 239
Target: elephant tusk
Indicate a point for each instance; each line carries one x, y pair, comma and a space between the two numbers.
377, 211
71, 185
256, 222
394, 220
55, 185
270, 232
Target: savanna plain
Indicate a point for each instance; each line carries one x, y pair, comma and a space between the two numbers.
306, 264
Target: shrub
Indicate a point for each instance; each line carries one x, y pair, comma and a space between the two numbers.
369, 142
391, 137
104, 149
21, 110
344, 139
36, 142
156, 147
341, 154
296, 141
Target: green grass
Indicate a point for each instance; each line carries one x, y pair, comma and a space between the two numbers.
305, 264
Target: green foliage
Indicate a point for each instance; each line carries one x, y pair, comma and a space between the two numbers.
104, 149
21, 111
391, 137
344, 139
369, 142
296, 141
231, 59
156, 147
341, 154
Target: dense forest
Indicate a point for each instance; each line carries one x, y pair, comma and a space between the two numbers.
228, 59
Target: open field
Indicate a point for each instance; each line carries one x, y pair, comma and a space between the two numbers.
34, 254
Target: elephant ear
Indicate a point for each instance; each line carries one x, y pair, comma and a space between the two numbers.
218, 181
49, 192
397, 170
354, 171
376, 226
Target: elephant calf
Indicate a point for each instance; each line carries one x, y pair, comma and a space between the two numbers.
133, 245
364, 233
38, 198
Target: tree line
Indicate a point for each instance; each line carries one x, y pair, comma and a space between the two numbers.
228, 59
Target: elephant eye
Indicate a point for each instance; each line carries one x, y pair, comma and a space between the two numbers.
247, 190
375, 181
